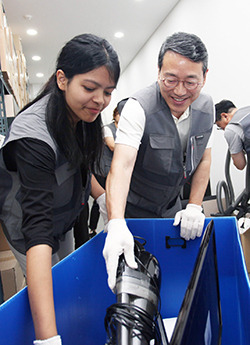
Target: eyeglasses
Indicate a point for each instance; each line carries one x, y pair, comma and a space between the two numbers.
171, 83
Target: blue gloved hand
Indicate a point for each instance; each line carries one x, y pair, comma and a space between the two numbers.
56, 340
192, 221
119, 241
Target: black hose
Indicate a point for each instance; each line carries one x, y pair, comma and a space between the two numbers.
227, 187
137, 320
241, 204
221, 185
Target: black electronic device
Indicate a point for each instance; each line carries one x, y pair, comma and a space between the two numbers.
199, 320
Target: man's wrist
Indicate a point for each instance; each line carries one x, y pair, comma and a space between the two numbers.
116, 220
197, 206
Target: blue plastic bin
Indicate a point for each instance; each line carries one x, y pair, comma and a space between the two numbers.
82, 295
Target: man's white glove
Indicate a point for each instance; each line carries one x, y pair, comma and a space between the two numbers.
119, 241
101, 201
192, 221
56, 340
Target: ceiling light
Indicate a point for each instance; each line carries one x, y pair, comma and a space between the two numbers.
119, 34
40, 75
31, 32
36, 58
27, 16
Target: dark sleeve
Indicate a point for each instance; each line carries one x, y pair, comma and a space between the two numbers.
35, 164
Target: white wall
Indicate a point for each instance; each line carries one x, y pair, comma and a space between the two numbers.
224, 27
34, 89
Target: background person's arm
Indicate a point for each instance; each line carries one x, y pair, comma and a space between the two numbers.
239, 160
110, 142
108, 138
235, 137
96, 188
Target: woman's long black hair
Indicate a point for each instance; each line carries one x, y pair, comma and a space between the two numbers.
83, 145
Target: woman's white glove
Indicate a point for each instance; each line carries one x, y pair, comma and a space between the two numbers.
56, 340
101, 201
119, 241
192, 221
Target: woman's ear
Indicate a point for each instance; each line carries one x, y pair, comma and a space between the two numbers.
61, 79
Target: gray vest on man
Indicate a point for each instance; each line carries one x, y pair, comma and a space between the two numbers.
68, 191
161, 170
242, 118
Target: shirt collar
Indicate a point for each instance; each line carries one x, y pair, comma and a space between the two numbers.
183, 117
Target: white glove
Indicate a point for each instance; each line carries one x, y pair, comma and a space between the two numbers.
56, 340
119, 241
101, 201
192, 221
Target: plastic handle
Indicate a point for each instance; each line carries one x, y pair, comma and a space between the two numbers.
175, 242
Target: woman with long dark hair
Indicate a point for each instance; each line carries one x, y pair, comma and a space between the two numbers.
45, 168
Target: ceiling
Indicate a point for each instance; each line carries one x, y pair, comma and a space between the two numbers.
57, 21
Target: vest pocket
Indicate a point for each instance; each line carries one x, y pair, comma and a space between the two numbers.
158, 155
198, 146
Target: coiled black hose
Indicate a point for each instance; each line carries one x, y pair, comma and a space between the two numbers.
227, 187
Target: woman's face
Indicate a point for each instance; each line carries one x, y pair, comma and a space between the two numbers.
86, 94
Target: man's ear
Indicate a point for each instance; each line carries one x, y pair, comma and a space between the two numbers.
159, 71
61, 79
205, 77
225, 117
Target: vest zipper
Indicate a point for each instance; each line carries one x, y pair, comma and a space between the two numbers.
185, 171
184, 166
192, 155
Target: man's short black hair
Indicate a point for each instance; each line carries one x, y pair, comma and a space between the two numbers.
224, 106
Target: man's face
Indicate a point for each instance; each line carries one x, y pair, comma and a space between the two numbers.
177, 67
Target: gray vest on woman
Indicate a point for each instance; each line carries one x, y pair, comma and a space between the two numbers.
242, 118
68, 191
160, 170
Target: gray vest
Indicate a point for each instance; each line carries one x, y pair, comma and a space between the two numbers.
242, 118
107, 154
160, 170
68, 191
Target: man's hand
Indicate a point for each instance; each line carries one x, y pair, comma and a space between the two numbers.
192, 221
56, 340
119, 241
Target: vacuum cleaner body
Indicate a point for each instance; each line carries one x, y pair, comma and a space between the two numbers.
133, 319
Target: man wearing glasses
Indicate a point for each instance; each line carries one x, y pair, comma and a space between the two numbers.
162, 142
236, 124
